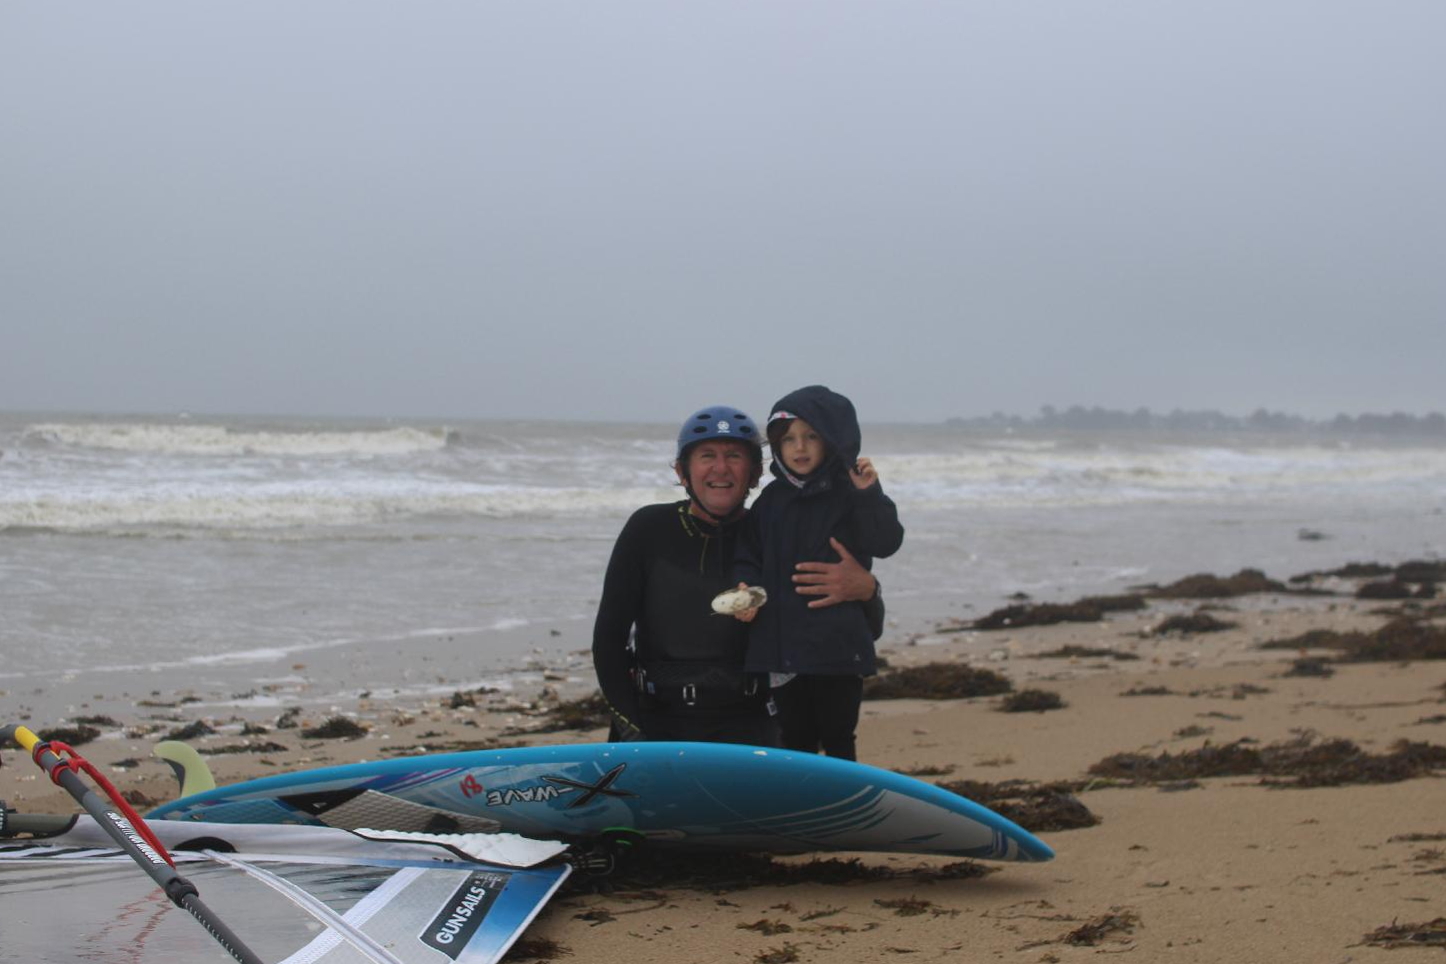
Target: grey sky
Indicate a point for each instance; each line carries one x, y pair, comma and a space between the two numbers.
622, 210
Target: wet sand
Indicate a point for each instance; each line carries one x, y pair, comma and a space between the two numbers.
1214, 868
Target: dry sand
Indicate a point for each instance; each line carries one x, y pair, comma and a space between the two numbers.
1213, 870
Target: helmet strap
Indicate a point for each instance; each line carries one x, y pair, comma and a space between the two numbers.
703, 510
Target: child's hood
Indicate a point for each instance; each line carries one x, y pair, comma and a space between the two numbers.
831, 415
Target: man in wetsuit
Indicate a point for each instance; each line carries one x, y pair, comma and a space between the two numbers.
669, 668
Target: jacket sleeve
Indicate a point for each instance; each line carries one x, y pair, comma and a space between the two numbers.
748, 550
617, 614
876, 522
874, 610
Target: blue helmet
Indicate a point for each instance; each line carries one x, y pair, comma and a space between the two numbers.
720, 422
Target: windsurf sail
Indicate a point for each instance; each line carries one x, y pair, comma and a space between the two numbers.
129, 832
306, 895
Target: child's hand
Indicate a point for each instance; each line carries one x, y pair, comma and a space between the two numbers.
743, 602
862, 474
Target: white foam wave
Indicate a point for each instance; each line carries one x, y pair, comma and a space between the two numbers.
279, 508
1188, 474
169, 478
221, 440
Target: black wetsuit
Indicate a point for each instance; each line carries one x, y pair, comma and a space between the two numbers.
685, 679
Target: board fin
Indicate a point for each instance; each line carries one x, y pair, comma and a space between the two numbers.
192, 773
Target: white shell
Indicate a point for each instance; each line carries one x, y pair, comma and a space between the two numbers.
737, 600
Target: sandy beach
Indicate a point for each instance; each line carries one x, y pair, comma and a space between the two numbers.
1180, 865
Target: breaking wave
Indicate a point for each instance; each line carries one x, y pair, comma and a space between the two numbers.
163, 514
222, 440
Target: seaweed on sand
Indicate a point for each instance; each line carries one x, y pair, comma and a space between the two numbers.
536, 949
335, 728
1118, 921
1300, 763
936, 681
1073, 651
73, 735
927, 770
1037, 807
1432, 933
255, 746
556, 715
1190, 623
141, 799
1421, 571
1031, 701
767, 927
1311, 666
1400, 640
586, 713
1090, 609
913, 907
1207, 586
1351, 570
1227, 760
1386, 589
649, 869
1149, 691
460, 700
191, 731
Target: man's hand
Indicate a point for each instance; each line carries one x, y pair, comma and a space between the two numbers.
834, 582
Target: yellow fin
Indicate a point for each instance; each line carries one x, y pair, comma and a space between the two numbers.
191, 771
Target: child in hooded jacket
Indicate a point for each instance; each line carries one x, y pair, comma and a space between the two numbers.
821, 491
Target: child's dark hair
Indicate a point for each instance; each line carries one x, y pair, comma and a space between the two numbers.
776, 428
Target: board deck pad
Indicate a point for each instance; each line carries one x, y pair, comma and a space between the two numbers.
704, 795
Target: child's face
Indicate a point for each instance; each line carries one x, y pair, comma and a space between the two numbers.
801, 448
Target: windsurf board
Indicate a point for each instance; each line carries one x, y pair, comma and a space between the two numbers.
707, 795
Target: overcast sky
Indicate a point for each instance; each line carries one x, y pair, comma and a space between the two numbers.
626, 210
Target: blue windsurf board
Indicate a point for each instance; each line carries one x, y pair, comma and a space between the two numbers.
704, 795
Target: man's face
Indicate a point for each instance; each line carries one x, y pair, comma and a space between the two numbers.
720, 472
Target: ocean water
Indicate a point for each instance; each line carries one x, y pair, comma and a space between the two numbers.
280, 560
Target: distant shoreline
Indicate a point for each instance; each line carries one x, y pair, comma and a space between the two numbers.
1278, 426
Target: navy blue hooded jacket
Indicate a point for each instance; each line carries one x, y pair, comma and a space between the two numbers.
792, 523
